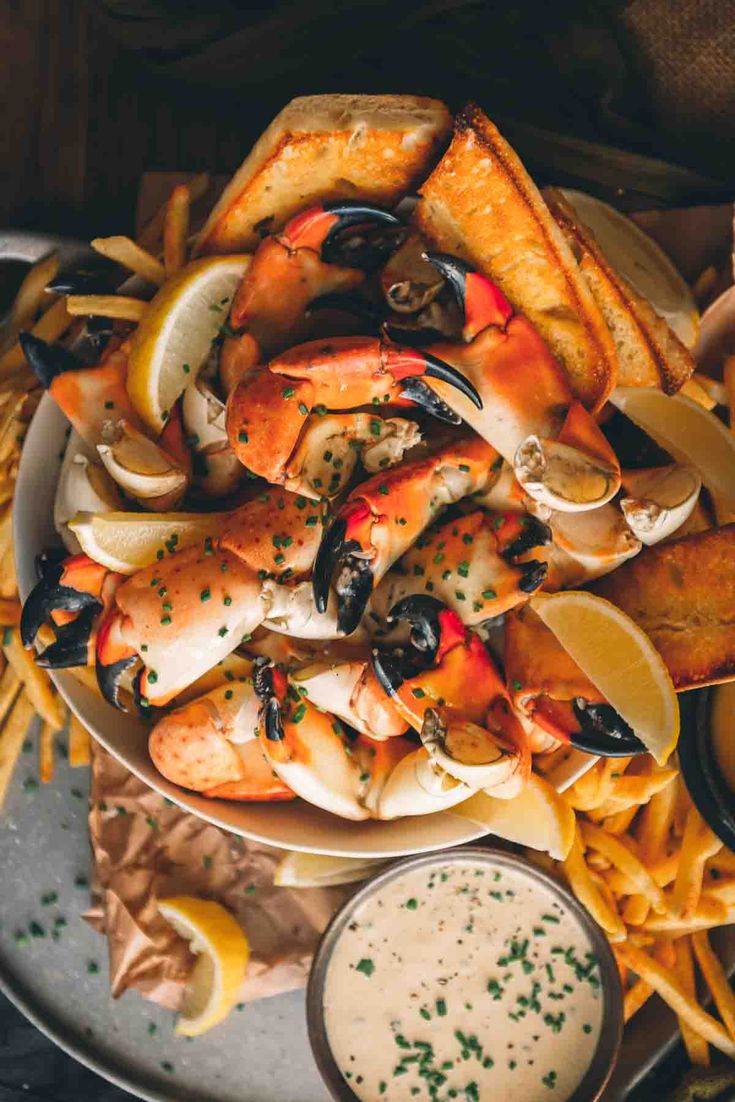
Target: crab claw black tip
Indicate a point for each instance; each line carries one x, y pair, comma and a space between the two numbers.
108, 679
72, 642
534, 533
47, 595
95, 275
421, 394
438, 369
422, 612
46, 360
533, 575
272, 721
604, 732
387, 669
330, 549
357, 214
455, 272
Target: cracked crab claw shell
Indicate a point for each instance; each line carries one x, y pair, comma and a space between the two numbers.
588, 545
658, 501
204, 416
84, 486
563, 477
417, 786
467, 752
292, 611
138, 465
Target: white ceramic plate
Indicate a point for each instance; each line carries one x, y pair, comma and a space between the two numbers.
296, 825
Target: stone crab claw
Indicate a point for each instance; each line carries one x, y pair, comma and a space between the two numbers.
385, 515
140, 467
473, 733
552, 693
351, 691
84, 486
317, 253
216, 469
69, 597
659, 500
267, 411
528, 410
479, 564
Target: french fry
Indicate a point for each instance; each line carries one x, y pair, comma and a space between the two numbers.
620, 821
716, 979
696, 1046
640, 992
125, 251
9, 689
12, 738
36, 681
713, 387
46, 753
640, 789
79, 743
708, 913
723, 862
106, 306
150, 236
635, 910
654, 825
699, 843
724, 890
588, 893
625, 860
681, 807
28, 300
661, 979
728, 377
176, 229
697, 393
86, 676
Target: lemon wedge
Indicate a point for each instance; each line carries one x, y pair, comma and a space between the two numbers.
175, 336
127, 542
688, 432
313, 870
539, 817
620, 659
222, 952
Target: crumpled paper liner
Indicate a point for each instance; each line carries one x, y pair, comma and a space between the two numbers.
145, 849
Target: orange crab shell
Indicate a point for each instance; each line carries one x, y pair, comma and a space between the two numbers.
276, 531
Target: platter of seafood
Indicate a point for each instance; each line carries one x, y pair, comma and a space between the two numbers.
383, 513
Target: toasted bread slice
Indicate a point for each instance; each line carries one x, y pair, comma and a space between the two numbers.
480, 204
682, 594
649, 352
326, 147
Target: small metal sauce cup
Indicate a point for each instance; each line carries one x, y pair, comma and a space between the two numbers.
605, 1056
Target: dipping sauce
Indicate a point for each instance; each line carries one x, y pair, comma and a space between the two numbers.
464, 981
723, 731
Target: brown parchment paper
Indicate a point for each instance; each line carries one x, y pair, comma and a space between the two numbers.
146, 849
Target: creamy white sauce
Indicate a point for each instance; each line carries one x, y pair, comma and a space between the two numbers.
463, 981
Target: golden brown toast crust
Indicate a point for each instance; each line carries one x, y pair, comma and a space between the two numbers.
683, 596
649, 352
480, 204
326, 147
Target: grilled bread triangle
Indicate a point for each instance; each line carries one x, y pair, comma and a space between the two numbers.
326, 147
649, 352
480, 204
682, 594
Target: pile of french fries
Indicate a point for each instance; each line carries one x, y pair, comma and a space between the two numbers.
656, 879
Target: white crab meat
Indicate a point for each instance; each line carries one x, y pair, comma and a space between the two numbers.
588, 545
141, 468
658, 501
291, 611
468, 753
204, 416
84, 486
416, 786
562, 477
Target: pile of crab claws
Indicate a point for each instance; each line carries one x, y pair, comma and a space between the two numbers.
604, 732
355, 580
46, 360
46, 597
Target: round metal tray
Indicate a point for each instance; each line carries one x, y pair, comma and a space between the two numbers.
260, 1053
